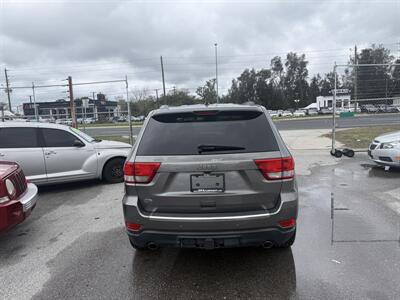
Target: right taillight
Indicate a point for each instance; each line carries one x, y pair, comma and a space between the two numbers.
276, 168
140, 172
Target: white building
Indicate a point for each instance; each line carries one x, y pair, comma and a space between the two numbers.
342, 101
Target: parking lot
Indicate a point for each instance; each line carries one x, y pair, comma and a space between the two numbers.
74, 245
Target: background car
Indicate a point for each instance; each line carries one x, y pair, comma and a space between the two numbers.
299, 113
17, 197
286, 113
325, 111
273, 113
387, 108
50, 153
369, 108
312, 112
385, 149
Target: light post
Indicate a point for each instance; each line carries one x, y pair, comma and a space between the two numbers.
216, 69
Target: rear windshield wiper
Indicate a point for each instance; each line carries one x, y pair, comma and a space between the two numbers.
210, 148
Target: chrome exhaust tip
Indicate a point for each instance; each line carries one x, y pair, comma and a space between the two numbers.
152, 246
267, 244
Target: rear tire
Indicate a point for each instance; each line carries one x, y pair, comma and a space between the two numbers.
113, 170
289, 242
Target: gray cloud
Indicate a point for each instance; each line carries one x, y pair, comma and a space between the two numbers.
45, 41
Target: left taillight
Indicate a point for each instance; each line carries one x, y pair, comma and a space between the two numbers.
140, 172
276, 168
3, 193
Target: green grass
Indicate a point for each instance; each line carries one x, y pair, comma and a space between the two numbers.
113, 138
360, 138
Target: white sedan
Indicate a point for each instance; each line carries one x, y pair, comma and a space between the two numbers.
385, 149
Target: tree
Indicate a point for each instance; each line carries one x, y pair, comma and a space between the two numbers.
139, 94
373, 81
207, 92
314, 90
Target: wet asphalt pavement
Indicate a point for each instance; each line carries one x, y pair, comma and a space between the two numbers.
74, 247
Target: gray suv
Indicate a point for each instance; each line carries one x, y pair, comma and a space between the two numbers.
208, 177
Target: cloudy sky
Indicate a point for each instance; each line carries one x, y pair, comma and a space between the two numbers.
46, 41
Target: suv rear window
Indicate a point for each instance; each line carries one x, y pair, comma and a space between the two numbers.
183, 133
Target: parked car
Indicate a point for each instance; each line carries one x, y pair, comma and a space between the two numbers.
273, 113
299, 113
369, 108
17, 197
385, 149
325, 111
120, 119
312, 112
228, 181
89, 120
387, 108
50, 153
286, 113
137, 119
64, 121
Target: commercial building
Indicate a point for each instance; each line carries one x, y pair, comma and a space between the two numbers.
99, 108
342, 101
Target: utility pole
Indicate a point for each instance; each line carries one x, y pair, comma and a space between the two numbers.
355, 78
93, 95
128, 102
216, 69
8, 90
162, 74
34, 103
71, 101
30, 99
174, 89
386, 94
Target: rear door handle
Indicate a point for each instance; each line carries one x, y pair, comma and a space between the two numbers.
50, 152
2, 154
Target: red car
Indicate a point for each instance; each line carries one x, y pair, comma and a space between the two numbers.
17, 196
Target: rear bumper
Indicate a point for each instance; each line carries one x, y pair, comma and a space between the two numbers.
233, 230
211, 240
16, 211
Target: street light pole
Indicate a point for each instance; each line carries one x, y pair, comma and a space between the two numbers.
216, 69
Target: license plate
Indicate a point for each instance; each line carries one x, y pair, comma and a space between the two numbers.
207, 183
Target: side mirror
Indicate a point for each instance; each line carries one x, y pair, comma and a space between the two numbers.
78, 143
